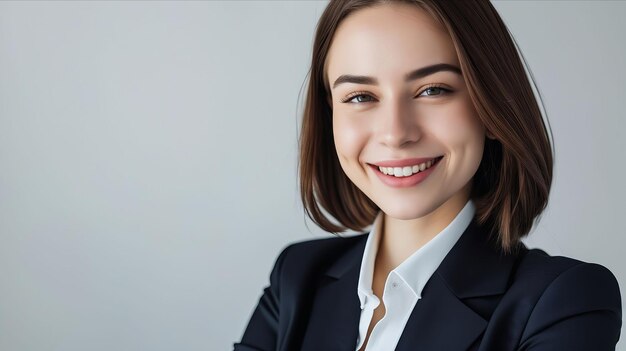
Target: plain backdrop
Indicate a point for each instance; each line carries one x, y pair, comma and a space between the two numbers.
148, 160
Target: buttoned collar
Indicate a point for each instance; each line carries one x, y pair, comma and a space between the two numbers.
417, 269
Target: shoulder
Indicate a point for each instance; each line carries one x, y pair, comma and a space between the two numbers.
565, 291
300, 264
320, 252
316, 253
539, 270
323, 246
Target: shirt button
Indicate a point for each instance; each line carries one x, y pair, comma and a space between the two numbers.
394, 284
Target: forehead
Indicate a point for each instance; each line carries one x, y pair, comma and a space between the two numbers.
388, 41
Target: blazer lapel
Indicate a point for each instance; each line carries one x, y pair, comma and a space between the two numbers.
473, 268
440, 321
335, 314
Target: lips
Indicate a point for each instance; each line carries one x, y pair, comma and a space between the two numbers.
408, 170
407, 181
408, 162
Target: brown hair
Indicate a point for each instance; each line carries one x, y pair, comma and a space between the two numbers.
512, 184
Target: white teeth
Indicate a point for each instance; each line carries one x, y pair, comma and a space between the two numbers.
406, 171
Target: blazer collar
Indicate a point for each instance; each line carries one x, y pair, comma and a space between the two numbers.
474, 267
349, 260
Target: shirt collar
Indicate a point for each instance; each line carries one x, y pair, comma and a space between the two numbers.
417, 269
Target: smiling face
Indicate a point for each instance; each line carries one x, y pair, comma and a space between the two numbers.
399, 100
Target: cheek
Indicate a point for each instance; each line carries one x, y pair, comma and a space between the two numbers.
458, 127
350, 138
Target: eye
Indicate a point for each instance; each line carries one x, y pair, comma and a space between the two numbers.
434, 90
358, 96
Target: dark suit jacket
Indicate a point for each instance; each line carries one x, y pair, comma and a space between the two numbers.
477, 299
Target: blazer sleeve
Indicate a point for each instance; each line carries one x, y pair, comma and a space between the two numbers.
262, 330
580, 310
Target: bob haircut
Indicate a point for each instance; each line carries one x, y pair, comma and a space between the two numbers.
512, 183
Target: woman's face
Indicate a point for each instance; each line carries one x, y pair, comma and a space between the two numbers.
399, 100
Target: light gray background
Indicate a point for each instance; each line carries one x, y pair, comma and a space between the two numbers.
148, 154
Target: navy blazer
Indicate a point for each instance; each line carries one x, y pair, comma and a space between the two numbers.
477, 299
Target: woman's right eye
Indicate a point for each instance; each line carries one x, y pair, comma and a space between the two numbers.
357, 96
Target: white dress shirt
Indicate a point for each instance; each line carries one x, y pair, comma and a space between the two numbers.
404, 284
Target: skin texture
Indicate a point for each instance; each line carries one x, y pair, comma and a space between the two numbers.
396, 119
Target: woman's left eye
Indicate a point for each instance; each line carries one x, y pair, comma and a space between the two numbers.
434, 91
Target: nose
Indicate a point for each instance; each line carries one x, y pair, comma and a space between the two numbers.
398, 124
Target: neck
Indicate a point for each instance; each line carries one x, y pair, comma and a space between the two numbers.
401, 238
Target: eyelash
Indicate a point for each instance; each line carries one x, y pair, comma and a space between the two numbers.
363, 93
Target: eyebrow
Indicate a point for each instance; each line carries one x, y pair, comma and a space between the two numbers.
416, 74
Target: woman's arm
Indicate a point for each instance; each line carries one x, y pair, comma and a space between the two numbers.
580, 310
262, 330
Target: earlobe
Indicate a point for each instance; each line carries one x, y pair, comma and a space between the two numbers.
490, 135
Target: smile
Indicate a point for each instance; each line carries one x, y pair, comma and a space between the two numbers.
407, 171
405, 176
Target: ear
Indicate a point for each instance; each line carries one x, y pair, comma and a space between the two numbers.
490, 135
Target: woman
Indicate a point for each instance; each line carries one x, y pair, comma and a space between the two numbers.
421, 122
